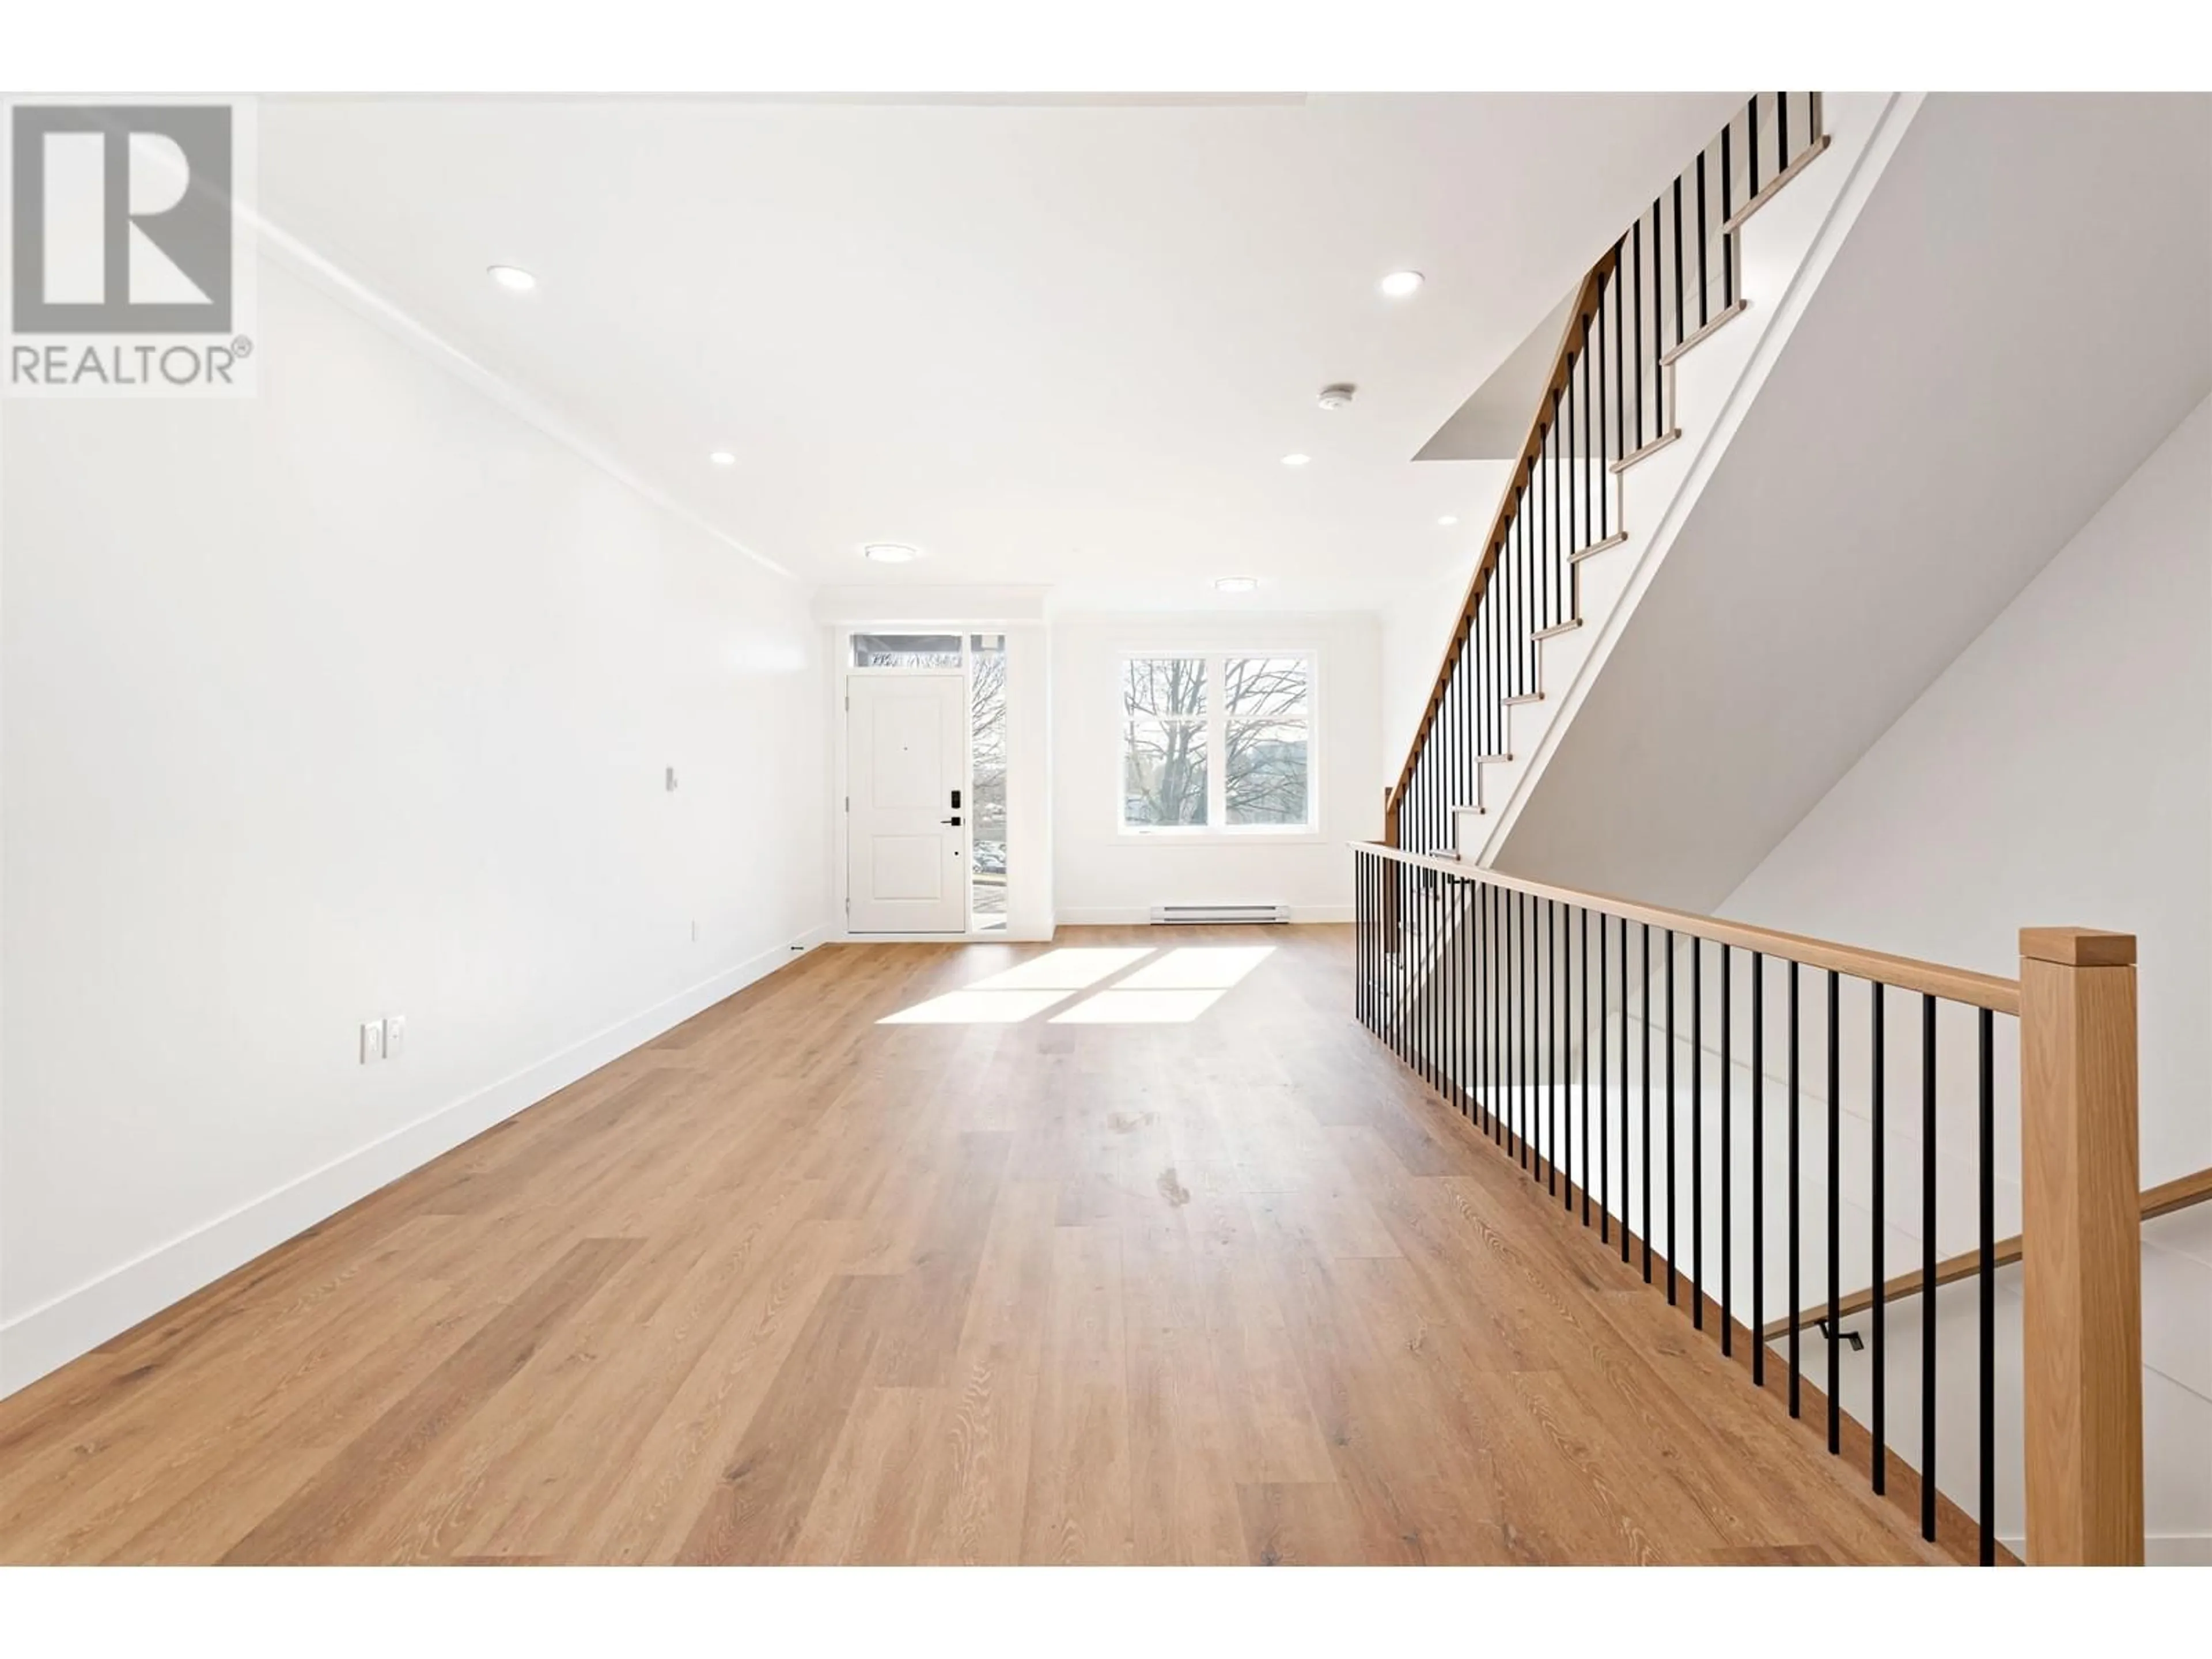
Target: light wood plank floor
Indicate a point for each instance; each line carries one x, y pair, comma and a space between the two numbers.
1159, 1271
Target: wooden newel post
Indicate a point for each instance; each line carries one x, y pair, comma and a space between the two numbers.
2081, 1231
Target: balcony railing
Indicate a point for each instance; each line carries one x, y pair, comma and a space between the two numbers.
1695, 1092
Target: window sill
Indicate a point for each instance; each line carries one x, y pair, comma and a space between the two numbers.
1208, 835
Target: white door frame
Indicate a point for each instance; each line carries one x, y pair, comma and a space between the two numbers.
841, 801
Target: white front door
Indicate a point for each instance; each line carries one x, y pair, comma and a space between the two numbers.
907, 760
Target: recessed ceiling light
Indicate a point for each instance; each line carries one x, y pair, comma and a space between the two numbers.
1448, 520
513, 277
1399, 283
1235, 584
1295, 460
723, 457
891, 552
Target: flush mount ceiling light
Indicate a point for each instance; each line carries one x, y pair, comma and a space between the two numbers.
1399, 283
722, 458
513, 278
1448, 520
1235, 584
1295, 460
1338, 396
891, 552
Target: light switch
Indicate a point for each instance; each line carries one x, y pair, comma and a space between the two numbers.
395, 1036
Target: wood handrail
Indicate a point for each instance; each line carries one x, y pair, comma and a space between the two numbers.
1906, 973
1509, 508
2161, 1200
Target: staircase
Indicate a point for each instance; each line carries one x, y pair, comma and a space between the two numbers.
1748, 1116
1659, 341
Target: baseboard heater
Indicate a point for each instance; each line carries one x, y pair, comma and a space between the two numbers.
1185, 915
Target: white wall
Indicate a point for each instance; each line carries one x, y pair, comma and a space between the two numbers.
2060, 772
1417, 625
1101, 875
351, 700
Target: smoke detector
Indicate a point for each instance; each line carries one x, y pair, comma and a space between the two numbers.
1338, 395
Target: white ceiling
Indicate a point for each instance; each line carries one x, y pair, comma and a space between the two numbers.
1050, 341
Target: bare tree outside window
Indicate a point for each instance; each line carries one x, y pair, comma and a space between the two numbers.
988, 775
1164, 741
1266, 740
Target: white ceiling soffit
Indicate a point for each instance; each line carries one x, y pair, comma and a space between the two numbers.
1492, 424
1048, 341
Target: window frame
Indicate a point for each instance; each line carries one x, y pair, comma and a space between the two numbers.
1217, 827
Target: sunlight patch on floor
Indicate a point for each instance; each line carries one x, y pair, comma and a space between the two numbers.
1073, 968
1198, 968
1174, 989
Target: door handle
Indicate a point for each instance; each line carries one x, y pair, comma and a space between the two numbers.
954, 822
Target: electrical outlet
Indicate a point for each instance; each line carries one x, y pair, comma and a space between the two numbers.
668, 780
395, 1036
694, 933
372, 1042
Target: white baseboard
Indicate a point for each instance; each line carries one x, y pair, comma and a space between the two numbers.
2160, 1549
44, 1338
1141, 916
2178, 1549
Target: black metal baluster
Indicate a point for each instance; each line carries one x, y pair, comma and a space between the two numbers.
1619, 358
1524, 1094
1485, 975
1679, 327
1427, 989
1394, 953
1501, 917
1624, 1079
1782, 130
1447, 987
1513, 1007
1599, 449
1698, 1135
1703, 280
1643, 1033
1877, 1426
1673, 1242
1635, 318
1465, 1014
1583, 537
1759, 1168
1796, 1301
1604, 1091
1659, 376
1835, 1215
1986, 1120
1586, 1069
1359, 935
1727, 209
1752, 147
1552, 1045
1728, 1150
1928, 1267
